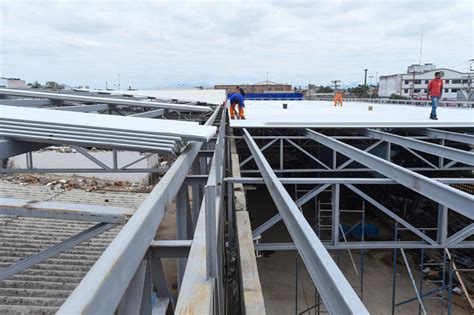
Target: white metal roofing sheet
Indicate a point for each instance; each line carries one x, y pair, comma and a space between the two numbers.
136, 124
322, 114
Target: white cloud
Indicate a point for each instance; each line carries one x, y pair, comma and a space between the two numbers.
159, 43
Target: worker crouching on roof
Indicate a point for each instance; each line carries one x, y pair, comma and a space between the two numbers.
338, 98
237, 99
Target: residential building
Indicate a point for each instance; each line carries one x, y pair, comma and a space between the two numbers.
415, 82
260, 87
12, 83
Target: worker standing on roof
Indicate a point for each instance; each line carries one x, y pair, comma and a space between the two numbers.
337, 98
237, 99
435, 90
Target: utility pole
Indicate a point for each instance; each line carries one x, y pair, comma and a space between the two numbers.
365, 76
469, 79
118, 76
370, 85
335, 82
267, 77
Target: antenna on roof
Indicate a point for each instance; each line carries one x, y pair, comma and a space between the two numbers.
421, 48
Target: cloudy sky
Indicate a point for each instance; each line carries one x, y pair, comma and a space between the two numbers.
169, 43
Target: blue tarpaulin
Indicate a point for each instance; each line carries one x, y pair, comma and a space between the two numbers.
274, 96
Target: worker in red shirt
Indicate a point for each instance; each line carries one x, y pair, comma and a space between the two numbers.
435, 90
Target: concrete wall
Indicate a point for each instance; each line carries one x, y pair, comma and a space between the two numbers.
390, 84
12, 83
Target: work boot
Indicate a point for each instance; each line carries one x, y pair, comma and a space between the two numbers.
231, 117
243, 117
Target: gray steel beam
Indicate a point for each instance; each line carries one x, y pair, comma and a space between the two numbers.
368, 149
9, 148
277, 217
151, 113
262, 149
336, 292
182, 223
446, 135
413, 282
423, 158
103, 286
307, 154
92, 158
338, 180
26, 102
146, 156
462, 156
336, 192
79, 98
158, 278
80, 170
391, 214
456, 200
170, 248
447, 167
63, 211
132, 300
85, 108
204, 270
197, 179
461, 235
366, 245
55, 249
442, 225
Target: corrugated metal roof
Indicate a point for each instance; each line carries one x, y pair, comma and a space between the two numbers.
43, 288
151, 129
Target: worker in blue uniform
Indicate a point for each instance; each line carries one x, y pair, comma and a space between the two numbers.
237, 99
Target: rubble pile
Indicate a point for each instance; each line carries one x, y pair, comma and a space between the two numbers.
75, 182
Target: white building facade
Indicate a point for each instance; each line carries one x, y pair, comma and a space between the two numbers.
416, 82
12, 83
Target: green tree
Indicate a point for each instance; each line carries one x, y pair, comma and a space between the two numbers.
54, 85
360, 91
35, 85
324, 89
